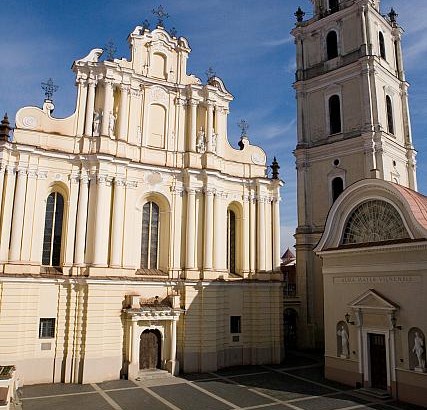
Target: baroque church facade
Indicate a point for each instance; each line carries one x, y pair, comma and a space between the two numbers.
362, 227
133, 235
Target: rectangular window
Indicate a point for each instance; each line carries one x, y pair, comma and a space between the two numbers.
47, 328
235, 324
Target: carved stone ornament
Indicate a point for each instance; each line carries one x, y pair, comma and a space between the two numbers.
158, 94
257, 159
154, 178
29, 122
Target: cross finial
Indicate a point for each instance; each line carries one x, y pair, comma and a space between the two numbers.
5, 128
299, 14
49, 88
161, 14
173, 32
393, 15
110, 50
243, 125
210, 72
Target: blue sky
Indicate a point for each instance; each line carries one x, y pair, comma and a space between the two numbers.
247, 42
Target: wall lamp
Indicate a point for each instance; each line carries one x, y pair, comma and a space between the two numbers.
347, 319
394, 323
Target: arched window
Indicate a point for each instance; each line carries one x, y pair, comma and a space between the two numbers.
53, 230
374, 221
389, 106
382, 44
231, 241
337, 188
335, 114
150, 236
334, 6
332, 45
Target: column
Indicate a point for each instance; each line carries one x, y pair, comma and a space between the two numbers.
118, 223
102, 222
28, 223
7, 214
191, 225
108, 106
245, 241
173, 365
123, 114
177, 223
2, 172
208, 249
90, 104
219, 239
81, 105
18, 215
193, 124
209, 126
72, 218
276, 234
79, 249
252, 233
261, 233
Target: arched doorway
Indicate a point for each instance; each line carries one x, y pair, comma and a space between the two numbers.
290, 328
150, 346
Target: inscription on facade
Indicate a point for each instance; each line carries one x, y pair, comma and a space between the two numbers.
358, 280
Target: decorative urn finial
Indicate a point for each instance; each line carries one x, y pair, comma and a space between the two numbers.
393, 16
275, 169
5, 128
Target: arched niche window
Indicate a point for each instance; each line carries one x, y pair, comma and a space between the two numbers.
150, 236
374, 221
334, 6
52, 237
332, 45
231, 241
382, 45
390, 120
158, 66
337, 188
334, 114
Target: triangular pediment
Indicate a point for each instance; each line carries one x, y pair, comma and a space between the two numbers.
372, 300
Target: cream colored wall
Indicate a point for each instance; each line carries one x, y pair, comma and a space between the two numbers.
384, 265
105, 180
90, 324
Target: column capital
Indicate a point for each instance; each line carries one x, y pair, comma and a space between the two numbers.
209, 191
180, 101
125, 88
22, 171
74, 178
177, 190
91, 82
108, 82
119, 182
131, 184
193, 101
104, 180
210, 104
33, 174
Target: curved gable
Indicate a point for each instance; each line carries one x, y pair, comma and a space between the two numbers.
374, 211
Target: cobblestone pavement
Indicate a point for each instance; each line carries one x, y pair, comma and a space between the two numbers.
297, 384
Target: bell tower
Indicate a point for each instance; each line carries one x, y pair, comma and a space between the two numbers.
353, 123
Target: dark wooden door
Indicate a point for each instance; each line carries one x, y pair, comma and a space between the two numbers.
378, 361
149, 350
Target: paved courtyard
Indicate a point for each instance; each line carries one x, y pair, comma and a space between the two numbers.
297, 385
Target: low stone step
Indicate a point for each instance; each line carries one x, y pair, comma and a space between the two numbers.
152, 374
376, 393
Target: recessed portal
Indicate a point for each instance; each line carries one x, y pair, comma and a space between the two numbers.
378, 361
150, 350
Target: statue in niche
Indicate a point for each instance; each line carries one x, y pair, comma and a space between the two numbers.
200, 144
111, 124
418, 349
342, 333
214, 142
96, 122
